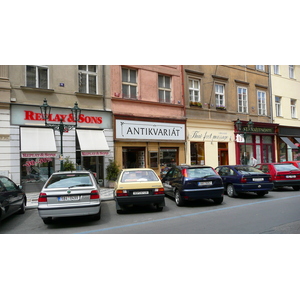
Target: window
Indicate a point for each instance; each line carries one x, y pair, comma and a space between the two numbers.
194, 90
276, 69
242, 100
278, 106
293, 108
37, 77
87, 79
197, 153
261, 101
164, 88
129, 83
260, 67
220, 95
291, 71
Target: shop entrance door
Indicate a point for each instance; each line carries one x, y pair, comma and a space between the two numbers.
95, 165
222, 154
134, 157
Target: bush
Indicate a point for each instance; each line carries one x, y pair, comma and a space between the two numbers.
68, 164
112, 170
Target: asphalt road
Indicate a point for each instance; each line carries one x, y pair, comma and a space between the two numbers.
276, 213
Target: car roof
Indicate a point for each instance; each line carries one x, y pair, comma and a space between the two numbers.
192, 166
72, 172
137, 169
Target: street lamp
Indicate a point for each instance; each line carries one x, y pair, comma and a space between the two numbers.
245, 131
61, 127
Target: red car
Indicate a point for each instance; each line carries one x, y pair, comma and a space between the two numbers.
282, 174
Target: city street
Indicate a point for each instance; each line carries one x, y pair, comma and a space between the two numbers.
276, 213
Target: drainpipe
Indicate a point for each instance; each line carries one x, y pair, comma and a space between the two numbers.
184, 111
103, 88
270, 90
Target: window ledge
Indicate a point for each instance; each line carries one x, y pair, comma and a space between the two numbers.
31, 89
88, 95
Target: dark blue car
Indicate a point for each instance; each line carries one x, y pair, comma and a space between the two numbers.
241, 178
189, 183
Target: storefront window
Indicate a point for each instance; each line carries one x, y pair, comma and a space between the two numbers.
197, 154
35, 172
168, 157
133, 157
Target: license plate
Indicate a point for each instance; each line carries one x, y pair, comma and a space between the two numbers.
290, 176
69, 198
141, 193
204, 183
257, 179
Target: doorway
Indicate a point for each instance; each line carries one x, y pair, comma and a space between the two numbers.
222, 154
133, 157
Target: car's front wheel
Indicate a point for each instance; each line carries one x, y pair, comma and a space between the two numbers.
231, 191
178, 199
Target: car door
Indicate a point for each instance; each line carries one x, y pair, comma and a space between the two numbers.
13, 195
166, 181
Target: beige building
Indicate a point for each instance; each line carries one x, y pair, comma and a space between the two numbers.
30, 151
285, 81
216, 98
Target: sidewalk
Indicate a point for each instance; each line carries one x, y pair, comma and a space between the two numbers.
32, 198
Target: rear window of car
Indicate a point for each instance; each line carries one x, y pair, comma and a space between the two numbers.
247, 170
69, 180
200, 172
285, 167
139, 176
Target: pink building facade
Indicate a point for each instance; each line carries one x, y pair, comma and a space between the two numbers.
148, 115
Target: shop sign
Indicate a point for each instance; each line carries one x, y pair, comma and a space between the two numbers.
4, 137
36, 155
129, 129
210, 136
31, 115
94, 153
30, 163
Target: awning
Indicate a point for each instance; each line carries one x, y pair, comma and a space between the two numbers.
289, 143
297, 139
37, 142
92, 142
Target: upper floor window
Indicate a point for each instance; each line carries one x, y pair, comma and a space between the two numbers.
194, 90
291, 71
260, 67
242, 100
220, 95
293, 108
37, 77
276, 69
87, 79
129, 83
164, 88
262, 103
278, 106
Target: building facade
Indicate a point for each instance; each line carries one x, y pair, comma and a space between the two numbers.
149, 116
285, 81
216, 98
34, 149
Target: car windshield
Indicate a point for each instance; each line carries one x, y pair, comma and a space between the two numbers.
247, 170
69, 180
285, 167
139, 176
200, 172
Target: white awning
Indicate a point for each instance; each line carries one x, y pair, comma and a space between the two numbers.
289, 142
37, 142
92, 142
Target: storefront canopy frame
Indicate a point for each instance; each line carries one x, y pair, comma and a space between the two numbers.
289, 142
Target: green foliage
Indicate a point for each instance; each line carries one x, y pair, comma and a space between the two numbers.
68, 164
112, 170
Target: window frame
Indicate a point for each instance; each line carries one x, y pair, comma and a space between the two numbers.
129, 84
246, 100
88, 74
278, 106
164, 88
293, 108
193, 90
276, 69
260, 67
262, 103
292, 71
218, 94
37, 78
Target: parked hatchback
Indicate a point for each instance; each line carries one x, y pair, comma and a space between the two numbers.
138, 187
69, 194
241, 178
282, 174
189, 183
12, 198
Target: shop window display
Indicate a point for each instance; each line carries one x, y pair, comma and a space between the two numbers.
35, 172
168, 157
